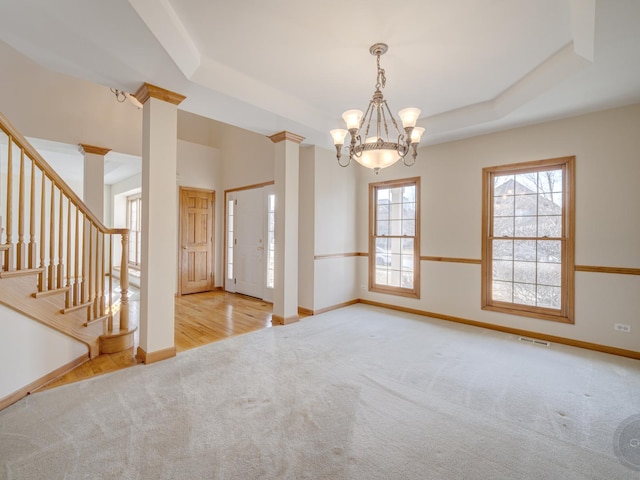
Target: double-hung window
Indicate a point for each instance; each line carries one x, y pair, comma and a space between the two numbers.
528, 239
134, 224
394, 240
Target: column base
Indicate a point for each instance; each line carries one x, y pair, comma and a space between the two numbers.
156, 356
278, 320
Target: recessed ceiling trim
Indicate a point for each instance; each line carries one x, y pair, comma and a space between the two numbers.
167, 27
583, 27
552, 71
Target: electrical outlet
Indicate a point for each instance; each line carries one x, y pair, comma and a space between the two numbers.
622, 327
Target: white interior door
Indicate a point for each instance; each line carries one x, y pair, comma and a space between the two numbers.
248, 250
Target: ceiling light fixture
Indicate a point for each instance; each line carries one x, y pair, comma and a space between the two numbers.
378, 150
121, 96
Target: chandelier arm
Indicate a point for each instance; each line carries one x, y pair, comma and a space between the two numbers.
355, 151
382, 126
369, 112
393, 120
344, 165
408, 163
402, 148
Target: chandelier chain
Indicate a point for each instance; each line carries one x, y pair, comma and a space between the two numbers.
382, 79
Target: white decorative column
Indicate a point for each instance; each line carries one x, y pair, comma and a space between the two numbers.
159, 222
286, 176
93, 181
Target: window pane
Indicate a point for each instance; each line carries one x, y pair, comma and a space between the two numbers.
549, 297
525, 226
502, 291
407, 280
526, 205
504, 206
503, 249
526, 183
409, 193
525, 250
503, 227
524, 272
502, 270
549, 274
409, 227
524, 294
550, 226
549, 251
550, 181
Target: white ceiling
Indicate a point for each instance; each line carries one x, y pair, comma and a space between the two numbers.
472, 66
68, 161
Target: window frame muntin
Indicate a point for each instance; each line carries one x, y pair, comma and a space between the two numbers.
566, 313
373, 287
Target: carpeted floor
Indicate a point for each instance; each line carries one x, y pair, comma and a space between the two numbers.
357, 393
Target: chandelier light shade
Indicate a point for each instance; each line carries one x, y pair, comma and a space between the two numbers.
371, 143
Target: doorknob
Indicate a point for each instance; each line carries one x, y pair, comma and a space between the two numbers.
184, 248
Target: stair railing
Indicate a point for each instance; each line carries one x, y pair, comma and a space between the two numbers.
48, 230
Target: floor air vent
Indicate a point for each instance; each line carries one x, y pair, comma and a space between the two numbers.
534, 341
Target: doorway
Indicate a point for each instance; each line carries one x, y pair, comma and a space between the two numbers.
196, 240
249, 263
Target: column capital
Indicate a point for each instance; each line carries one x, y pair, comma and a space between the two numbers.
147, 91
284, 135
84, 148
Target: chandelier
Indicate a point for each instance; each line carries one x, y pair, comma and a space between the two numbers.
372, 146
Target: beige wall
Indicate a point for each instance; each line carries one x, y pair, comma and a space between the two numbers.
247, 157
306, 228
48, 105
607, 150
335, 279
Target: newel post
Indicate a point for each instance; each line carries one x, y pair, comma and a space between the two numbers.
124, 282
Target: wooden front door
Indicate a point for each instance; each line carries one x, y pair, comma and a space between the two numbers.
196, 240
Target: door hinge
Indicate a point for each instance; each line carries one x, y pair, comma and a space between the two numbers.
234, 281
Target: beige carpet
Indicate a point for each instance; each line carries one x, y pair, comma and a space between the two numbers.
357, 393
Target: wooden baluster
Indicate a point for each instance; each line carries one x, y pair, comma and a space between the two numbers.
85, 265
32, 218
8, 255
124, 283
60, 272
97, 284
21, 260
90, 274
110, 321
76, 261
102, 279
51, 284
67, 295
42, 278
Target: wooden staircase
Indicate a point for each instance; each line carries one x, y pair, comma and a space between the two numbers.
17, 292
56, 256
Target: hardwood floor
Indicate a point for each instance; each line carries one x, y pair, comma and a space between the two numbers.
200, 319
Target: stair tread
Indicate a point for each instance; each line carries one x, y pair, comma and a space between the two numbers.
20, 273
